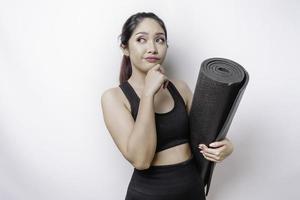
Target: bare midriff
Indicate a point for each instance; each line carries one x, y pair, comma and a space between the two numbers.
172, 155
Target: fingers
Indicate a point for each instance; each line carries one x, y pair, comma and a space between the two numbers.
161, 71
156, 67
159, 68
211, 154
211, 158
166, 81
211, 151
218, 143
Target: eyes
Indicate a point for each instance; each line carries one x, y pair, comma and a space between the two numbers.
160, 40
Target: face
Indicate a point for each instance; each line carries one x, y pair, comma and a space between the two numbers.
147, 45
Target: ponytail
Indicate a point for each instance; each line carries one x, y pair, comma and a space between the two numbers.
126, 69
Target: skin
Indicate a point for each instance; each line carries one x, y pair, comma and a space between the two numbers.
137, 140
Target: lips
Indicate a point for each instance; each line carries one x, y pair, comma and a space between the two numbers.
152, 59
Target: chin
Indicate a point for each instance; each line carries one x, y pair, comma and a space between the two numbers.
145, 67
148, 66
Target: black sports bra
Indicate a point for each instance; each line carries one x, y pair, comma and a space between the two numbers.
172, 128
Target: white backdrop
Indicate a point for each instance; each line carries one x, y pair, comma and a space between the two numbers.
58, 57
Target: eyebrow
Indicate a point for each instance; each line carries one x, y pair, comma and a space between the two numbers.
148, 33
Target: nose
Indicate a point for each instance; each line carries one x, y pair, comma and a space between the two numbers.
152, 47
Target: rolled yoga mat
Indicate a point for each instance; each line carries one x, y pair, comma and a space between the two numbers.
218, 91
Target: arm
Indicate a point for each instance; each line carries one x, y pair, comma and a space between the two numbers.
136, 140
141, 143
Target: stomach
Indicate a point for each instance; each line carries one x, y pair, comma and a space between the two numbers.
172, 155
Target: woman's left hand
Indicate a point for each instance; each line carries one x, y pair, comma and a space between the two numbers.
221, 149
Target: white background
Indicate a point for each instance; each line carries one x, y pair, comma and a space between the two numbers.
58, 57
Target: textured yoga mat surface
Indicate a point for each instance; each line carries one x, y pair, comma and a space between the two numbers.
220, 85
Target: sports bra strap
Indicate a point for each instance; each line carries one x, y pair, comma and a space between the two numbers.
132, 98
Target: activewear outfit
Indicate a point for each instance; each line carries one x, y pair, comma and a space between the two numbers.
180, 181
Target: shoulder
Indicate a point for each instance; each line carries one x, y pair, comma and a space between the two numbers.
110, 93
179, 83
182, 88
114, 95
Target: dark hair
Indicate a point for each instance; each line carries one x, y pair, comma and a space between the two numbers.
127, 30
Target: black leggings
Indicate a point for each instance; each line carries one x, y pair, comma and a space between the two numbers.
180, 181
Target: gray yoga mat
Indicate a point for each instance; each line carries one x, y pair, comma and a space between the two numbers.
220, 85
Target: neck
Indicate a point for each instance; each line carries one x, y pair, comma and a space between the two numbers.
137, 78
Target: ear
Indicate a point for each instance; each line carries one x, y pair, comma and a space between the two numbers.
124, 49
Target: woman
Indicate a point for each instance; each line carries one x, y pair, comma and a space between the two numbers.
147, 117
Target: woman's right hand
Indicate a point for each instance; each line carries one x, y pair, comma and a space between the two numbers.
154, 80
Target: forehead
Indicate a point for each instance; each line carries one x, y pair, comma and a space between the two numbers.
149, 26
